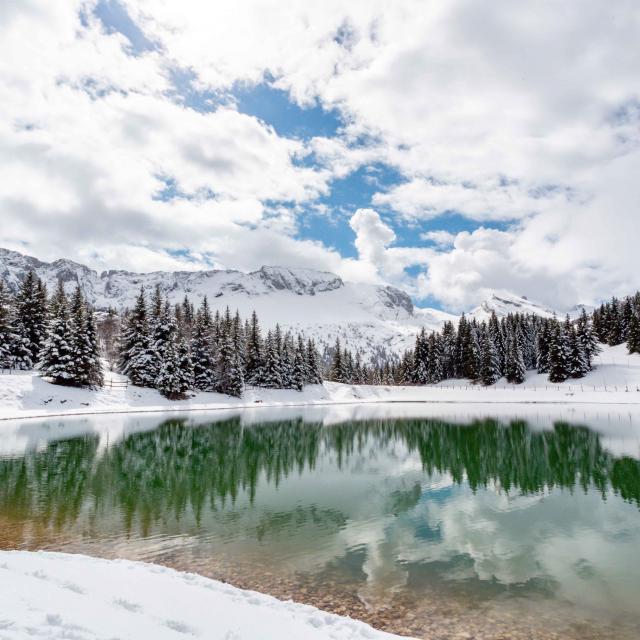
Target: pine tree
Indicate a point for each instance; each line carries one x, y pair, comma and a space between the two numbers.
558, 356
515, 369
313, 364
587, 339
93, 373
8, 336
448, 350
86, 365
164, 330
337, 373
577, 363
434, 365
254, 353
31, 321
136, 359
490, 361
633, 335
229, 378
544, 344
171, 380
56, 355
421, 358
202, 355
287, 357
299, 369
270, 375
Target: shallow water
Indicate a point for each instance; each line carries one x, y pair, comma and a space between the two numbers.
434, 527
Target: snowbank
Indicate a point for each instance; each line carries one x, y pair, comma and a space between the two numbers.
55, 595
615, 381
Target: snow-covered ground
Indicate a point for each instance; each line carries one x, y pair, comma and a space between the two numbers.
615, 381
55, 596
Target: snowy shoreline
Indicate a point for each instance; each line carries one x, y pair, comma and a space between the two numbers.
616, 381
62, 595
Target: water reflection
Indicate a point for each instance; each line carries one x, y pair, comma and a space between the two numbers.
482, 513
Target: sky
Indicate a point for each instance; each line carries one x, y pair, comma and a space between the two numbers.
451, 149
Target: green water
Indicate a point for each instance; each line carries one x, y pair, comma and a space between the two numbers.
423, 525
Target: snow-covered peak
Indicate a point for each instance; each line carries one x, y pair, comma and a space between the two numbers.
298, 281
504, 303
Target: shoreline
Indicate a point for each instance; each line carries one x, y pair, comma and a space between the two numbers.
327, 403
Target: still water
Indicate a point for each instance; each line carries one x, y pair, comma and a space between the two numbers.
428, 526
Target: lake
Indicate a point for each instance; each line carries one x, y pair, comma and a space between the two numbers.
439, 525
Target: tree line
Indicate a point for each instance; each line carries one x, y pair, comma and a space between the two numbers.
57, 335
485, 352
177, 349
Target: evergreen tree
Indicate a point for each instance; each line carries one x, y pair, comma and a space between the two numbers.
544, 343
8, 336
135, 354
86, 365
202, 355
164, 330
434, 365
171, 380
270, 375
448, 348
490, 371
93, 375
421, 358
56, 355
313, 364
515, 369
254, 351
31, 320
229, 378
337, 372
299, 369
633, 335
287, 364
587, 339
577, 363
558, 353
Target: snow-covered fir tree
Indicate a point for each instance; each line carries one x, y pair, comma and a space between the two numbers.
172, 381
558, 353
313, 363
515, 369
633, 335
490, 360
337, 371
164, 330
254, 351
202, 349
56, 356
136, 357
8, 336
87, 367
270, 375
587, 339
229, 376
31, 321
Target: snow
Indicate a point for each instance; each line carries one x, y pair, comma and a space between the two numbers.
615, 381
55, 596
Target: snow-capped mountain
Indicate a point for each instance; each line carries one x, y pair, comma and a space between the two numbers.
373, 319
505, 303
